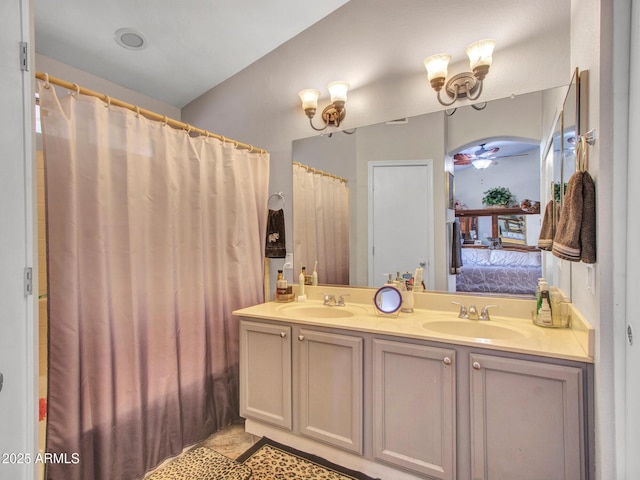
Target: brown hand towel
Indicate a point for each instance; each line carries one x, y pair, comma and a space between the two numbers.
551, 214
566, 243
275, 243
588, 228
575, 237
456, 249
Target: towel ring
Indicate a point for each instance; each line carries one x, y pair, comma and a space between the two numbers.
582, 154
279, 195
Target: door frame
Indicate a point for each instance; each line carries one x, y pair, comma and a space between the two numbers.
18, 319
429, 278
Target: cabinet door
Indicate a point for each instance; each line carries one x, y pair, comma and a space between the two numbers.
331, 388
265, 372
414, 407
527, 420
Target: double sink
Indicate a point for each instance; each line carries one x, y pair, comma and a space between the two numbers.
451, 325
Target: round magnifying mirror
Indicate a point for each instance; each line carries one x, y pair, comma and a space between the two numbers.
388, 299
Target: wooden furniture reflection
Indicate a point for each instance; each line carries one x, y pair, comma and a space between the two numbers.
506, 223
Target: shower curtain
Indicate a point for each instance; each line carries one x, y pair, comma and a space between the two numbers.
155, 237
321, 225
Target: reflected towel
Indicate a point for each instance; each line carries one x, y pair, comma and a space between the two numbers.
456, 249
575, 238
275, 243
551, 215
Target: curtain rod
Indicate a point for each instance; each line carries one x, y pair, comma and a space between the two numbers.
147, 113
320, 172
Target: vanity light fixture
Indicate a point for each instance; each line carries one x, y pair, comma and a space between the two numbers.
466, 84
333, 113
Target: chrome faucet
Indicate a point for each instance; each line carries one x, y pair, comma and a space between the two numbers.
340, 301
472, 312
329, 299
484, 314
463, 310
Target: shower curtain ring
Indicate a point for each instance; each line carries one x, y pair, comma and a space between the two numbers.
108, 101
188, 129
164, 120
235, 144
250, 148
47, 85
137, 111
77, 92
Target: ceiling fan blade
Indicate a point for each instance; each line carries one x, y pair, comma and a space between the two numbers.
462, 159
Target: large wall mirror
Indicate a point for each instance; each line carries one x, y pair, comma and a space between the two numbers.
426, 145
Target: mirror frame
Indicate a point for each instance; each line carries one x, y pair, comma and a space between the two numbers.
388, 293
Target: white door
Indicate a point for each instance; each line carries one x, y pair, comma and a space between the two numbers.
18, 413
400, 219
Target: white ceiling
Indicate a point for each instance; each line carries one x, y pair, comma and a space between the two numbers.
193, 45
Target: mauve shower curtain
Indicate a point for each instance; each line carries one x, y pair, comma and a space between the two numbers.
155, 237
321, 226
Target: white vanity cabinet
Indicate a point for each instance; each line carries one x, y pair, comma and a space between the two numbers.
265, 372
414, 407
527, 420
331, 388
329, 381
419, 408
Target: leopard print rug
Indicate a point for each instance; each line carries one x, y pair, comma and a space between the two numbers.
202, 464
272, 461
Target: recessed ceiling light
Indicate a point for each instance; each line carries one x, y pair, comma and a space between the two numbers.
130, 39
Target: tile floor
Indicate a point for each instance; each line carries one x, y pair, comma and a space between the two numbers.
231, 441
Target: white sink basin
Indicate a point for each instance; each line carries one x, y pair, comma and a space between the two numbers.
321, 311
476, 329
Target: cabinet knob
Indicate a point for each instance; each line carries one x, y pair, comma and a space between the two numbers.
283, 334
446, 361
301, 337
476, 365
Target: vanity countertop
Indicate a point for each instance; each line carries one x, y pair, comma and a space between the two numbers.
435, 319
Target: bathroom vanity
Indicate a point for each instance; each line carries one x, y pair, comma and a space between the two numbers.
422, 395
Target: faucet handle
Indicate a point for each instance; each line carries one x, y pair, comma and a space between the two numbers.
340, 301
463, 310
327, 298
484, 314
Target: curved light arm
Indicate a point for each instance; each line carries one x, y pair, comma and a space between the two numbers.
455, 97
317, 129
478, 91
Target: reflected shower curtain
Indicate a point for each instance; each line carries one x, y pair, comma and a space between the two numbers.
155, 237
321, 226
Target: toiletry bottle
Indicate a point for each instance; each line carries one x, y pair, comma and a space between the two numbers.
538, 296
281, 284
301, 282
545, 317
314, 275
418, 285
